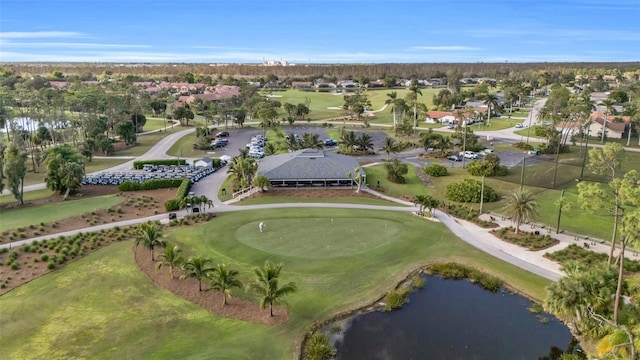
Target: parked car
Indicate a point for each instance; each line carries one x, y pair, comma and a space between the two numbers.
469, 155
330, 142
454, 158
451, 126
547, 123
173, 216
223, 134
519, 126
219, 143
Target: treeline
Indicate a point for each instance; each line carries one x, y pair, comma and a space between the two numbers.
341, 71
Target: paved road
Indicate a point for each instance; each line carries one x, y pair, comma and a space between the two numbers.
468, 232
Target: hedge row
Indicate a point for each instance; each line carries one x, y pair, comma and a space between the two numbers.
468, 191
150, 184
181, 193
140, 164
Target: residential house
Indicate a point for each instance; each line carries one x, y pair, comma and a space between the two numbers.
442, 117
301, 84
375, 84
614, 130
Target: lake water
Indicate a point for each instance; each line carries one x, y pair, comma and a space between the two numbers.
455, 319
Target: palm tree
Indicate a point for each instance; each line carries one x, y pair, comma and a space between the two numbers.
414, 90
204, 200
632, 112
171, 258
608, 103
311, 141
243, 169
422, 201
491, 100
392, 98
149, 236
348, 139
267, 288
389, 145
224, 279
521, 206
356, 177
261, 182
196, 267
365, 141
486, 168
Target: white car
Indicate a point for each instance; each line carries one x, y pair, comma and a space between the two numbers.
469, 155
519, 126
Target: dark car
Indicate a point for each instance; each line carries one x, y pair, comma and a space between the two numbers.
195, 210
454, 158
223, 134
330, 142
173, 216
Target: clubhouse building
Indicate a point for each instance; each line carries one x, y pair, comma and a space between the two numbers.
309, 168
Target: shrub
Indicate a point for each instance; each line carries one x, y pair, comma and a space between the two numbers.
436, 170
523, 146
44, 257
140, 164
150, 184
395, 299
456, 271
51, 265
15, 266
172, 205
469, 190
319, 348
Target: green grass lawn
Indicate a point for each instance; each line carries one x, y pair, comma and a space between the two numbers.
413, 185
103, 307
531, 132
184, 148
15, 218
144, 143
496, 124
155, 123
274, 199
28, 196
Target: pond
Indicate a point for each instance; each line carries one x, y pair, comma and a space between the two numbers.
455, 319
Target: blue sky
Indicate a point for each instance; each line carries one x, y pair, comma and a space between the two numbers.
314, 31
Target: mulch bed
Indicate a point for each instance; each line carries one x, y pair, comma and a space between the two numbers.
235, 308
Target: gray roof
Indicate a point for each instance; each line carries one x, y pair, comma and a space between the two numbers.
307, 164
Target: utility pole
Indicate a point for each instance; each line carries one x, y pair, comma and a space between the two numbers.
522, 174
560, 211
586, 150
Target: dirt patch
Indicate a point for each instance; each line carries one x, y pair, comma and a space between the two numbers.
210, 300
137, 204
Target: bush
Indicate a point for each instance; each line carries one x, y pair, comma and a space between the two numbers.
319, 348
523, 146
456, 271
469, 191
172, 205
436, 170
150, 184
140, 164
395, 299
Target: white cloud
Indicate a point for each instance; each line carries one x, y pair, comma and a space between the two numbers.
39, 34
59, 45
446, 48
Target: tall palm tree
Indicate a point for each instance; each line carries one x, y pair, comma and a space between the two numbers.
486, 168
392, 98
149, 236
633, 113
196, 267
205, 201
521, 207
422, 201
267, 288
389, 145
608, 103
414, 91
223, 279
491, 100
171, 258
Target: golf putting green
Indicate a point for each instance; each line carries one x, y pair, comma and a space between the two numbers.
319, 238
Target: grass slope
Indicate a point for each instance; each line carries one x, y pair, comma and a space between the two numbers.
15, 218
102, 307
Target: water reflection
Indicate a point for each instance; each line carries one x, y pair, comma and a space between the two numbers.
451, 319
